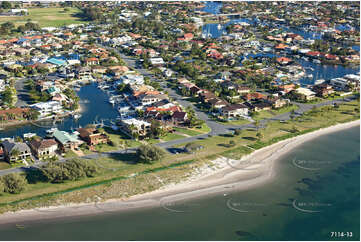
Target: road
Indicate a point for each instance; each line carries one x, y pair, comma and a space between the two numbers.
216, 128
22, 93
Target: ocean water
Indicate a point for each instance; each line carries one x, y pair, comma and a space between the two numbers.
316, 193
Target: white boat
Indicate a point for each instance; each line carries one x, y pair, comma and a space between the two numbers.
76, 116
219, 26
29, 135
317, 61
319, 81
50, 131
310, 76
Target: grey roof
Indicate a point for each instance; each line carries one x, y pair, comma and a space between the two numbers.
9, 146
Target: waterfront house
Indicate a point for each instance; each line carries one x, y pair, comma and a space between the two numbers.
14, 151
84, 73
92, 136
147, 99
43, 148
14, 114
67, 141
47, 108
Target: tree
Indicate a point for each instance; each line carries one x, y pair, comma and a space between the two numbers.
156, 129
238, 132
150, 153
14, 183
73, 169
8, 96
259, 135
15, 153
5, 5
257, 124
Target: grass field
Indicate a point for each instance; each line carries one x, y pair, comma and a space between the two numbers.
46, 17
274, 112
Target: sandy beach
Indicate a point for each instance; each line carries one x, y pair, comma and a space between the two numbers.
253, 170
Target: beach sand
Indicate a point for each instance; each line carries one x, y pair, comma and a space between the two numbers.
253, 170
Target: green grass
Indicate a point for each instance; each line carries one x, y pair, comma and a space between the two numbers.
172, 136
235, 122
4, 165
46, 17
70, 154
190, 132
203, 128
274, 112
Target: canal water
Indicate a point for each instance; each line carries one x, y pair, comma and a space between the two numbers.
318, 71
95, 107
316, 192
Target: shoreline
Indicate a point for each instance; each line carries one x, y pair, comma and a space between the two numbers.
260, 168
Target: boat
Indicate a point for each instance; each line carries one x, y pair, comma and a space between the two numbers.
219, 26
76, 116
29, 135
50, 131
310, 76
317, 61
319, 81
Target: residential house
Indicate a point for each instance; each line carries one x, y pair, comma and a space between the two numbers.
217, 103
136, 127
14, 114
47, 108
14, 151
323, 90
306, 93
67, 141
84, 73
179, 117
147, 99
157, 61
91, 61
43, 147
92, 136
234, 110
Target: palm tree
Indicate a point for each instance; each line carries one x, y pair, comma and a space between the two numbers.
15, 153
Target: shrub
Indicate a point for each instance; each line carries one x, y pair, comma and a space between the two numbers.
150, 153
14, 183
